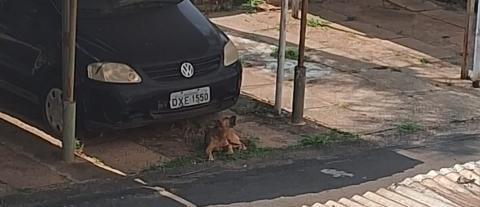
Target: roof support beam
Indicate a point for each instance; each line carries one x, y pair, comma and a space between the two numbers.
69, 20
300, 72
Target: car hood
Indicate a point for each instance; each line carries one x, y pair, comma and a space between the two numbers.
149, 36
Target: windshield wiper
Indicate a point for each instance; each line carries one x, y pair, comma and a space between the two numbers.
146, 4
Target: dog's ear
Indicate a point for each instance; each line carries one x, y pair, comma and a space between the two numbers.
233, 121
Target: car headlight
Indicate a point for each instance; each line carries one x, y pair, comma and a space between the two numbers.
113, 73
230, 54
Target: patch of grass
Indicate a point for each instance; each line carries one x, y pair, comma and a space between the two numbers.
184, 161
347, 136
408, 128
316, 22
327, 139
424, 61
79, 146
252, 151
251, 5
318, 140
344, 105
277, 27
290, 53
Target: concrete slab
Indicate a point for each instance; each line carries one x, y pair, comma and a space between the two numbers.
439, 52
416, 5
399, 21
22, 173
125, 155
374, 101
456, 18
35, 148
389, 64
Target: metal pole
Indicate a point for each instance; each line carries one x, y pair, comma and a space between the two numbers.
281, 57
476, 55
300, 71
475, 76
69, 46
467, 39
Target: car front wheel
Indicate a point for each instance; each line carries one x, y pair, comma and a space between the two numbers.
53, 109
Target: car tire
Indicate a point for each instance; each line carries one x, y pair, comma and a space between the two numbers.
52, 109
476, 84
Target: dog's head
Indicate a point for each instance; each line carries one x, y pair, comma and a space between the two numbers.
227, 122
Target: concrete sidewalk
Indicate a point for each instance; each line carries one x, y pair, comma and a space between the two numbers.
29, 163
377, 66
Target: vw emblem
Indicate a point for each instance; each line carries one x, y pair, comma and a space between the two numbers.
187, 70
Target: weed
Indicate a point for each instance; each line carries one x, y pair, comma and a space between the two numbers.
346, 135
252, 151
251, 5
319, 140
277, 27
408, 128
327, 139
290, 53
79, 146
344, 105
424, 61
185, 161
316, 22
197, 158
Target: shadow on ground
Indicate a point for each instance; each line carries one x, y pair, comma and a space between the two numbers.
300, 177
414, 24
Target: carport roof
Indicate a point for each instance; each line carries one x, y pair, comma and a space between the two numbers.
447, 187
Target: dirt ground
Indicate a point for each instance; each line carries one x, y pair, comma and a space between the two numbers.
27, 152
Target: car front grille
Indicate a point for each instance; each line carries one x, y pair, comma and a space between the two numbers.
171, 71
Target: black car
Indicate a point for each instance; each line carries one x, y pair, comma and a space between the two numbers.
137, 62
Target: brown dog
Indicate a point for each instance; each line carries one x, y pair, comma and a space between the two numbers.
223, 136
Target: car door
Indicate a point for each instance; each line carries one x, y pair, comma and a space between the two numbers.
24, 39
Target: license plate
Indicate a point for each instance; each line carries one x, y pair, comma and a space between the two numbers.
189, 97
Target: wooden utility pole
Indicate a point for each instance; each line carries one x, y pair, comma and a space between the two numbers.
300, 71
468, 39
69, 35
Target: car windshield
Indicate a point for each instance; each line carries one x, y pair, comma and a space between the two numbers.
112, 5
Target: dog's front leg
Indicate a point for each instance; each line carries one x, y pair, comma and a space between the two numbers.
230, 149
209, 152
